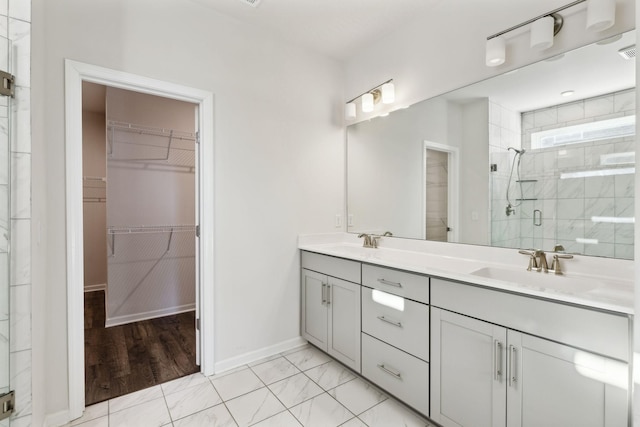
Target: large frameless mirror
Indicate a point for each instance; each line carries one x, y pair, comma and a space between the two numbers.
534, 158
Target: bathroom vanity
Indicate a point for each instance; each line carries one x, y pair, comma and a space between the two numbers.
469, 341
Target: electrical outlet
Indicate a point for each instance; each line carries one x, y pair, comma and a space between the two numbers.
338, 220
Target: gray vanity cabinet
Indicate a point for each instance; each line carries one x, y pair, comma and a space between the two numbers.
486, 374
331, 306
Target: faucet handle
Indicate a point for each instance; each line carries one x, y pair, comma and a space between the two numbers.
533, 262
555, 264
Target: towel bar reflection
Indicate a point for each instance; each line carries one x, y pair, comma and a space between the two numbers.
537, 217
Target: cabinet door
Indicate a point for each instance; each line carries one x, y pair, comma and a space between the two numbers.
555, 385
344, 322
314, 308
467, 371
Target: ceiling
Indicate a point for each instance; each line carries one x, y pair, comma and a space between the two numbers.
336, 28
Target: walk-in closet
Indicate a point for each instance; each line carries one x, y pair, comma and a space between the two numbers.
139, 234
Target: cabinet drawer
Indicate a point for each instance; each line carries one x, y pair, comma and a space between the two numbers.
408, 285
331, 266
407, 329
399, 373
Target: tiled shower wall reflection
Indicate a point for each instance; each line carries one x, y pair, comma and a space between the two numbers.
568, 205
15, 24
504, 132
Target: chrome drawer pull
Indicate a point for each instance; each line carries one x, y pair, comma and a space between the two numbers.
386, 282
391, 322
497, 360
513, 378
390, 372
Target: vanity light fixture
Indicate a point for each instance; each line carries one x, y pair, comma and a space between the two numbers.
600, 16
384, 92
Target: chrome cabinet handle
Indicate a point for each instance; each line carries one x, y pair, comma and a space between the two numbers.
512, 366
386, 282
497, 360
328, 294
324, 293
391, 372
391, 322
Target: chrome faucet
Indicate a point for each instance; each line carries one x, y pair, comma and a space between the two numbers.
368, 243
371, 240
538, 260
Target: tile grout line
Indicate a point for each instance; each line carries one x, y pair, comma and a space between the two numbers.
286, 409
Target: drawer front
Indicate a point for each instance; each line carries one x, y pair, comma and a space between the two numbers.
399, 373
337, 267
408, 285
407, 329
592, 330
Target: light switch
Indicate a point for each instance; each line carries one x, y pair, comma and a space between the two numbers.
350, 220
338, 220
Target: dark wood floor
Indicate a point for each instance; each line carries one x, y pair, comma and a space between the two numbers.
123, 359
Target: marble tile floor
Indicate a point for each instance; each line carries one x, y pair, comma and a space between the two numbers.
302, 387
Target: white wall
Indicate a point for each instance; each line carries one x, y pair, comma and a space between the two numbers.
278, 168
474, 173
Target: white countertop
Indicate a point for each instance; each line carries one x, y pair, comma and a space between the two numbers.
497, 268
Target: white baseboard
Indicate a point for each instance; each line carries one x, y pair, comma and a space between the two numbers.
252, 356
57, 419
95, 288
137, 317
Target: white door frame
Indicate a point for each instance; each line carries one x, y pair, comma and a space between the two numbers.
453, 219
75, 74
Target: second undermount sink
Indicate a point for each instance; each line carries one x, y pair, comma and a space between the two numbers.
540, 280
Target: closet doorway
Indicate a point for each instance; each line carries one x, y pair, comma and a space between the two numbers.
156, 185
440, 192
139, 226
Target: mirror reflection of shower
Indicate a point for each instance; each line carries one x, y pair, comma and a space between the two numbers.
511, 207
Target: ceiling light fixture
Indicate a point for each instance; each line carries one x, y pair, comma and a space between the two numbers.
600, 16
384, 92
567, 93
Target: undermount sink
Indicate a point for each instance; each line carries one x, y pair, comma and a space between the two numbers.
540, 280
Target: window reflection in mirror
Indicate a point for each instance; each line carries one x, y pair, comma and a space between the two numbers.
535, 168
